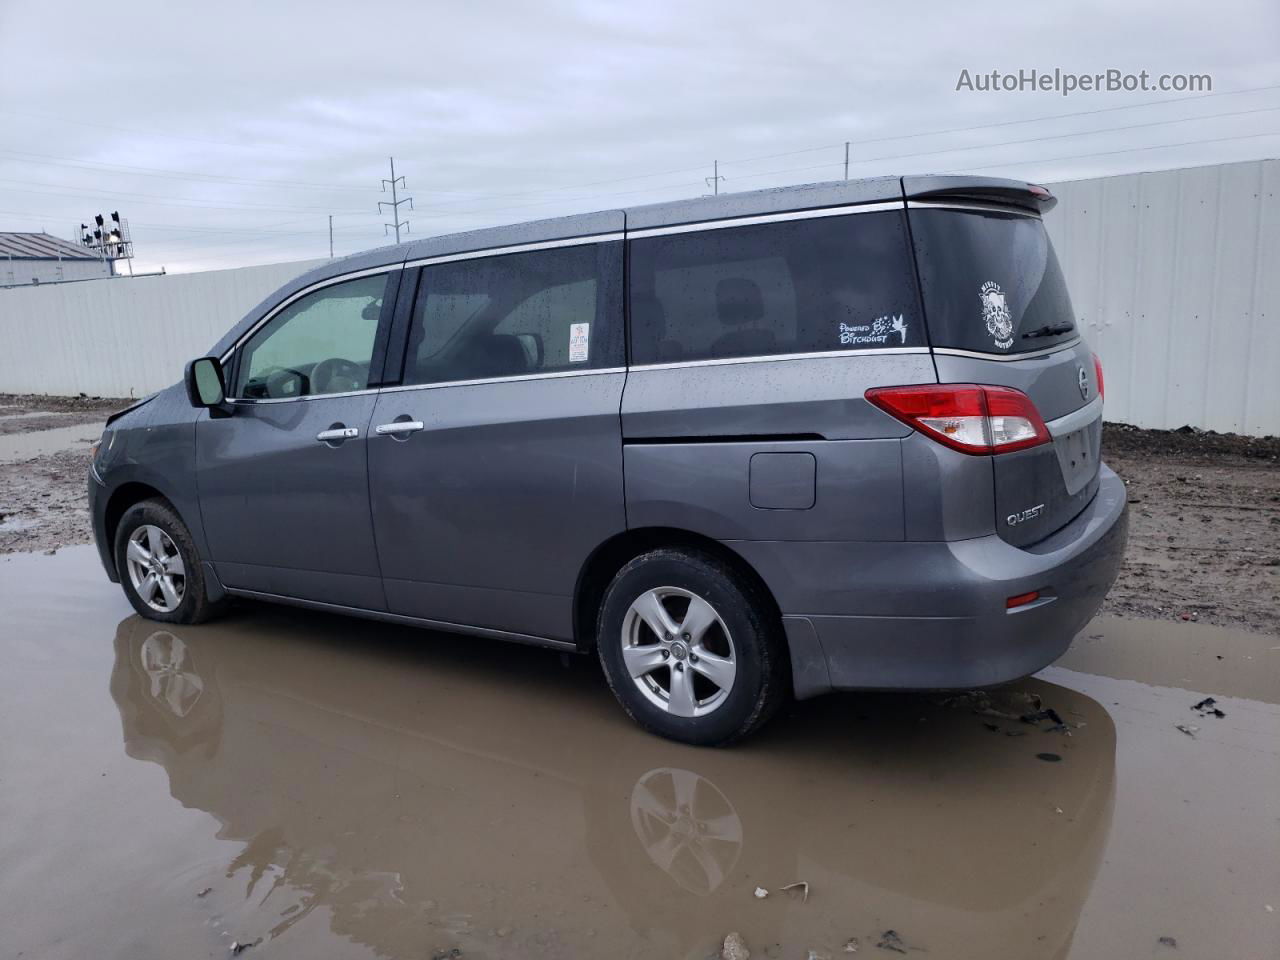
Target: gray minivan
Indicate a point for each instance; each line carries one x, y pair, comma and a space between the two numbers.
831, 437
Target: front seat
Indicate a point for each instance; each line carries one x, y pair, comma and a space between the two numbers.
649, 326
495, 355
739, 303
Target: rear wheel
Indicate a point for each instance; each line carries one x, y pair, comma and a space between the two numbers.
158, 565
690, 648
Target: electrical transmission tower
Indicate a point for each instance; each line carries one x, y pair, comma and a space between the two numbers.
395, 202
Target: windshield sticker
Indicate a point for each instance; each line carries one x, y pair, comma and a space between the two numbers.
878, 331
578, 337
996, 314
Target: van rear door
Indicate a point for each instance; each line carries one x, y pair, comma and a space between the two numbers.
998, 312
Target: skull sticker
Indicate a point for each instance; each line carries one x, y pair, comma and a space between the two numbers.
995, 312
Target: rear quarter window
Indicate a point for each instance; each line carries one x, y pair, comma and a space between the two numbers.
801, 286
990, 281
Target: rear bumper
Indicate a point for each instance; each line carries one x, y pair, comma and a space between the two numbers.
932, 615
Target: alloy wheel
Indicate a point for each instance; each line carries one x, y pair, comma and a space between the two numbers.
678, 651
156, 569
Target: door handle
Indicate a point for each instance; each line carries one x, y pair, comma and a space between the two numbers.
337, 433
398, 428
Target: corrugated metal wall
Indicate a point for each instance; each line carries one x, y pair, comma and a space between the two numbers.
1176, 279
123, 337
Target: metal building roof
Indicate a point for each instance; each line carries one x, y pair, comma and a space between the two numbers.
41, 246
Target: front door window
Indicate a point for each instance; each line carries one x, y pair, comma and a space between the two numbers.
320, 344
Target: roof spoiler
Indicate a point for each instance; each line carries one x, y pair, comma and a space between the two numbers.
1017, 193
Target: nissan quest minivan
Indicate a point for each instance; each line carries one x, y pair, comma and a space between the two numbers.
832, 437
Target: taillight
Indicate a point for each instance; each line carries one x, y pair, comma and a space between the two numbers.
968, 417
1097, 375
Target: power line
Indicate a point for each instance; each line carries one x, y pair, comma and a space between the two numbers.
1014, 143
903, 136
62, 190
196, 176
1010, 123
1110, 153
200, 203
820, 166
168, 174
145, 133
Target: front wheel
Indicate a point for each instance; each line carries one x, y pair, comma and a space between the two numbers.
690, 648
158, 565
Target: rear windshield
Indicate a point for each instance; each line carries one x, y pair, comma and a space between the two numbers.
991, 281
799, 286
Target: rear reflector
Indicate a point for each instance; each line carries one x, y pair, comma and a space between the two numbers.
1097, 373
1022, 599
968, 417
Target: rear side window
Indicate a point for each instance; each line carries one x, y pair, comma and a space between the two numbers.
544, 311
800, 286
990, 281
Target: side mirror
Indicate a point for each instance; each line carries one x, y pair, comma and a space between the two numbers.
205, 384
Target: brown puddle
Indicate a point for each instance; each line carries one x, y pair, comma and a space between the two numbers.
1193, 656
37, 443
350, 789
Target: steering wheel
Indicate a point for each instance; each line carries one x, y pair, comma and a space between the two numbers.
281, 382
336, 375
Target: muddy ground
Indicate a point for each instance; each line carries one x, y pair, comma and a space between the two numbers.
1205, 518
314, 786
1204, 540
43, 464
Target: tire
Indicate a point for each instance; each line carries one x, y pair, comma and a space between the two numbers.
680, 690
177, 575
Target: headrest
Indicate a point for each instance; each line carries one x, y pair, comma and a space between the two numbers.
648, 314
738, 301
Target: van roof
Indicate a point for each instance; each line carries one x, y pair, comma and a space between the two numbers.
724, 206
809, 196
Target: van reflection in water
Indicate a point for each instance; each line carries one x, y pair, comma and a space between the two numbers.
419, 797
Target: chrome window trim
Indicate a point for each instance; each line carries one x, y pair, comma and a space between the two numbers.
763, 358
309, 396
400, 388
387, 268
877, 207
1005, 357
516, 248
972, 205
1076, 419
519, 378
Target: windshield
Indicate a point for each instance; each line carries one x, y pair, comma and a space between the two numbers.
990, 281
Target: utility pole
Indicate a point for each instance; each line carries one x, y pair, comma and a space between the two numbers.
331, 236
395, 202
713, 181
846, 159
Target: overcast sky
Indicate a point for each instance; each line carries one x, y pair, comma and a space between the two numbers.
227, 133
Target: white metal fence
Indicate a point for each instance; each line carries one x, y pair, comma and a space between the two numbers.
123, 337
1175, 278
